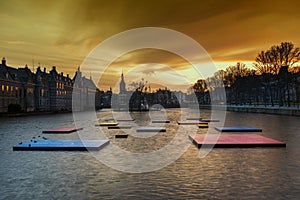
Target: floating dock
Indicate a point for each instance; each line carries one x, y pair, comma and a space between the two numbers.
210, 120
120, 127
107, 124
125, 120
121, 135
238, 129
62, 130
160, 121
203, 125
187, 122
62, 145
194, 118
151, 129
235, 141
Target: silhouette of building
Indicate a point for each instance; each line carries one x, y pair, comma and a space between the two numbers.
42, 91
121, 101
122, 84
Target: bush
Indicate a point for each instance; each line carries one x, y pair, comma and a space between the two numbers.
14, 108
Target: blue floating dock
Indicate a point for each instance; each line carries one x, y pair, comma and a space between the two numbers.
238, 129
210, 120
160, 121
62, 130
61, 145
151, 129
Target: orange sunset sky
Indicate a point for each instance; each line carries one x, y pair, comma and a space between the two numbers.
63, 32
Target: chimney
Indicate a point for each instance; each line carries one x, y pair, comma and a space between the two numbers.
67, 75
53, 68
3, 61
45, 69
61, 73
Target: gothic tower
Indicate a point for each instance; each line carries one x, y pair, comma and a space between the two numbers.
122, 84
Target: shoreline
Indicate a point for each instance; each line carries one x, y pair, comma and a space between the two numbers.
288, 111
25, 114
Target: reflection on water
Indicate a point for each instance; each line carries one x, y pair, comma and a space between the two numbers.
259, 173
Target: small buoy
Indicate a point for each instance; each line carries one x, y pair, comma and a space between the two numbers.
34, 141
20, 142
29, 145
44, 138
30, 140
39, 136
33, 137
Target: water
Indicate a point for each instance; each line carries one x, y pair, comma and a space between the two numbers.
258, 173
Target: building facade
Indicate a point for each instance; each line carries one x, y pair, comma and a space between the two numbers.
42, 91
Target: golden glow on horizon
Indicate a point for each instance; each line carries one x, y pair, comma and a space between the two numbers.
62, 33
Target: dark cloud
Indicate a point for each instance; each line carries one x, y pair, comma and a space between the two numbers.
64, 32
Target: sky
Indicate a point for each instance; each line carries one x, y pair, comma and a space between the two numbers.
62, 33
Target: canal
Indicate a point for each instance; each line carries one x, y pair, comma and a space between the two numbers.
238, 173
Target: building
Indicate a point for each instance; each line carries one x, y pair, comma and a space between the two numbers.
42, 91
17, 87
121, 101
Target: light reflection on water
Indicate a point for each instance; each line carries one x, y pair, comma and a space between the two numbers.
259, 173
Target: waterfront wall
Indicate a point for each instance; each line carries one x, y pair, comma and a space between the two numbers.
292, 111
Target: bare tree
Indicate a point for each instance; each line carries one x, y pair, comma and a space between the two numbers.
271, 62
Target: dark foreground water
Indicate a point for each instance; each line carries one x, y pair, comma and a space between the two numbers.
258, 173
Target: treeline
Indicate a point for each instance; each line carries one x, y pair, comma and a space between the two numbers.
143, 98
272, 80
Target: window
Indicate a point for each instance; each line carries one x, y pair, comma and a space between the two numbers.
29, 90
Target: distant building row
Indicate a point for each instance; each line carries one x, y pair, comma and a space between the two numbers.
42, 91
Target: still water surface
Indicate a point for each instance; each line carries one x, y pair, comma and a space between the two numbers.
257, 173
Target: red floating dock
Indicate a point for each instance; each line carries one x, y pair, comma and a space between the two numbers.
235, 141
62, 130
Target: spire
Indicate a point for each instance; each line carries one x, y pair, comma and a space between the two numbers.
122, 84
